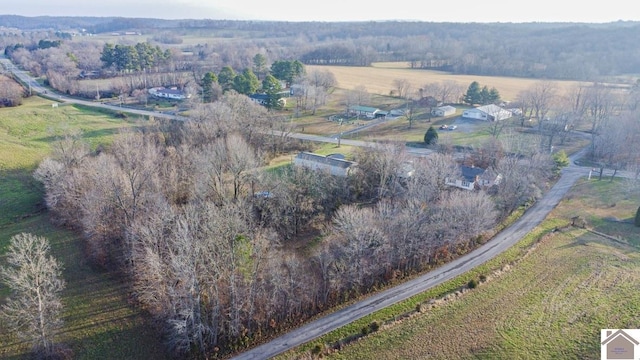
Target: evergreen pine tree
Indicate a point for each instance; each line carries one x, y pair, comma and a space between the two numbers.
431, 136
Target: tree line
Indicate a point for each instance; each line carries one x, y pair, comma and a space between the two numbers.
591, 52
138, 57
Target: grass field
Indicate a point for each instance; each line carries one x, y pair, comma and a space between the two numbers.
551, 304
100, 323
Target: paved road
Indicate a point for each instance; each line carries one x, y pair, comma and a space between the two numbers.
501, 242
35, 87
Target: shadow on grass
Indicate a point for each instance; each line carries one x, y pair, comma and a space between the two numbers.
20, 196
417, 144
93, 134
135, 342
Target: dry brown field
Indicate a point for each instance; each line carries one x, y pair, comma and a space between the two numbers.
378, 79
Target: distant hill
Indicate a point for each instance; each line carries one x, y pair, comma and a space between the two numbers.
92, 24
571, 51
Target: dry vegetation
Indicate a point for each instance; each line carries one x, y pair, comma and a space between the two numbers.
552, 304
379, 79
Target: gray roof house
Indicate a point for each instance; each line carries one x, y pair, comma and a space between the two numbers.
488, 113
171, 93
474, 178
333, 164
443, 111
367, 111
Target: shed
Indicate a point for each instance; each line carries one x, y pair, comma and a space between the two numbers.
443, 111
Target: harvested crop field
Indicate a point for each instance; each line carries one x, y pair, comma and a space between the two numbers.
379, 79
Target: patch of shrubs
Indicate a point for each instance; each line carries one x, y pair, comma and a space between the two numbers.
365, 330
472, 284
375, 326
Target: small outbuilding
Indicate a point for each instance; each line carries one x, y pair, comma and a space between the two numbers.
443, 111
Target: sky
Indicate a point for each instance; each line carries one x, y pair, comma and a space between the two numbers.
336, 10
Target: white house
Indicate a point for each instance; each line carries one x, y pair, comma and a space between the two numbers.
368, 112
443, 111
260, 99
474, 178
171, 93
263, 99
488, 113
333, 164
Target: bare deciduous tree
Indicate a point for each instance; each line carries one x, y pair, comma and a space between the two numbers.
70, 148
601, 104
364, 243
428, 182
10, 92
359, 96
34, 308
401, 87
616, 144
382, 168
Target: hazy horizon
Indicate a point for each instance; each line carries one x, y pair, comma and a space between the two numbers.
332, 10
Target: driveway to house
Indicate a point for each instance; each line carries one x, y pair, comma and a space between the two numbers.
498, 244
31, 84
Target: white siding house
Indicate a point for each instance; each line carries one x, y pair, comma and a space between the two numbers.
332, 164
367, 111
488, 113
260, 99
443, 111
172, 93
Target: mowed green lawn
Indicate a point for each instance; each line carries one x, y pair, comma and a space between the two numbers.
100, 322
550, 305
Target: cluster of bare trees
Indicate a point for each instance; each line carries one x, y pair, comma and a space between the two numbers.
312, 90
605, 113
11, 92
210, 241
